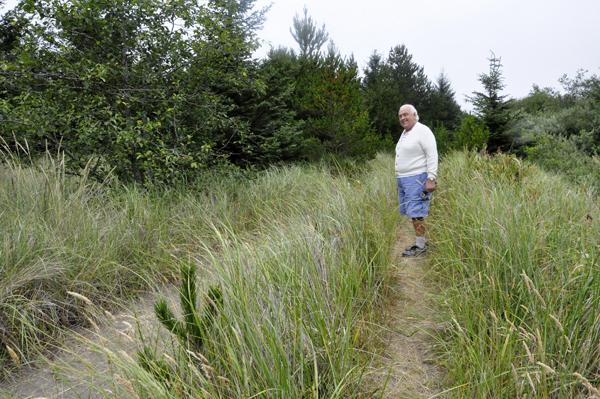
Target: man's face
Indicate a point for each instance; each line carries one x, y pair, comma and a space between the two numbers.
407, 119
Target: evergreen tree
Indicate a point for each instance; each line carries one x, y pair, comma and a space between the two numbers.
379, 96
309, 38
444, 110
276, 133
332, 104
390, 83
492, 108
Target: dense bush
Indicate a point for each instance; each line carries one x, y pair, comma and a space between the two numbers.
562, 155
113, 87
471, 134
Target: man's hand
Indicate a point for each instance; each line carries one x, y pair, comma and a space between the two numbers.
430, 186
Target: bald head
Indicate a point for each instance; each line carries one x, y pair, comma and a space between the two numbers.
408, 116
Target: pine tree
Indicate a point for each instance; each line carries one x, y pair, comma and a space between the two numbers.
444, 108
309, 38
492, 108
388, 84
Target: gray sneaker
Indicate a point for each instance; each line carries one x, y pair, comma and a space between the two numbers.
415, 251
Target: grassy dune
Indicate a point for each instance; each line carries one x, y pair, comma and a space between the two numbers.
300, 254
517, 253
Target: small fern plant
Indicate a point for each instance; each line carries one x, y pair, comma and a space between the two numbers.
192, 330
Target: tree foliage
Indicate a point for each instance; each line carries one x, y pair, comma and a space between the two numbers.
309, 38
540, 100
277, 135
390, 83
491, 107
572, 114
139, 87
11, 27
330, 101
471, 135
396, 80
444, 109
319, 97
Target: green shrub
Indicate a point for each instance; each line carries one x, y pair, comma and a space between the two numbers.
471, 134
562, 155
443, 138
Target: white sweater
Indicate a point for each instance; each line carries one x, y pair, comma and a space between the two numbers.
416, 153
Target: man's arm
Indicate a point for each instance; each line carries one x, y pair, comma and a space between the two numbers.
429, 147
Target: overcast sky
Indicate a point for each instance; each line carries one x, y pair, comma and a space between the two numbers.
538, 41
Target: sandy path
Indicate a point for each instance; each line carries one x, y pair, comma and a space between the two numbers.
80, 368
412, 321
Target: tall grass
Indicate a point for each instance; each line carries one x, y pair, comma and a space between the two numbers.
301, 254
517, 253
60, 234
300, 286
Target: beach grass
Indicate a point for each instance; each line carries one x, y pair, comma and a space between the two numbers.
517, 254
301, 254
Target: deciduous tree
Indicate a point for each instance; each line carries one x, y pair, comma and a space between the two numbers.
140, 87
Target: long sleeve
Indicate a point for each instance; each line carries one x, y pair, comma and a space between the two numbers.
429, 147
417, 153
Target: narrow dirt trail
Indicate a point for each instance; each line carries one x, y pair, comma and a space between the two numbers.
413, 320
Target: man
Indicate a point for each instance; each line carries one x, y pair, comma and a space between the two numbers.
416, 172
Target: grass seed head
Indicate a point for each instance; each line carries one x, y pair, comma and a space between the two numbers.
14, 356
79, 296
127, 385
531, 383
170, 359
126, 336
110, 315
94, 325
546, 367
207, 371
529, 355
562, 330
568, 342
593, 390
527, 280
205, 360
224, 379
494, 316
514, 373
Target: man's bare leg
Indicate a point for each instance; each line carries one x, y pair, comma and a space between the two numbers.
419, 225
